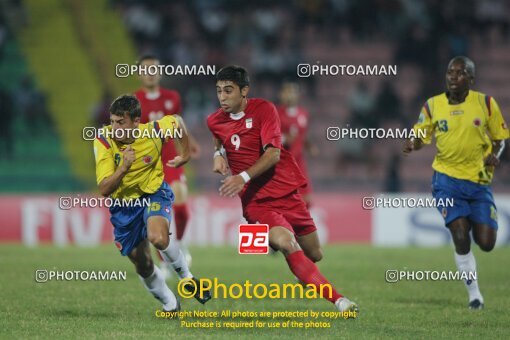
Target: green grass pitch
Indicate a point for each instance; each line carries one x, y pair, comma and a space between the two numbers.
94, 309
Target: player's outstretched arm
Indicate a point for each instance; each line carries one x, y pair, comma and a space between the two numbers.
232, 185
112, 182
268, 159
220, 164
492, 159
182, 146
424, 128
412, 144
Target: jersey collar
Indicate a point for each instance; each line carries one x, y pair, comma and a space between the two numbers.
292, 111
468, 98
152, 95
237, 116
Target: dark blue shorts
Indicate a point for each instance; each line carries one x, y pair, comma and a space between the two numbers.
471, 200
130, 223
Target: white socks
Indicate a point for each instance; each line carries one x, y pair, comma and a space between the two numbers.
173, 255
156, 285
467, 263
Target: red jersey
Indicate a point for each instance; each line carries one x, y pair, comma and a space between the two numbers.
155, 106
294, 121
244, 136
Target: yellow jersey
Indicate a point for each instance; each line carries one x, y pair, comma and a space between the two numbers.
464, 133
145, 175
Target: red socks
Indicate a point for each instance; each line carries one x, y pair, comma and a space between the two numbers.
306, 271
181, 215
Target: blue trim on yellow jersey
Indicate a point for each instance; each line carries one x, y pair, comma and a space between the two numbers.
104, 142
427, 109
157, 128
488, 103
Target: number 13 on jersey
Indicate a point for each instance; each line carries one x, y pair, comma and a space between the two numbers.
442, 125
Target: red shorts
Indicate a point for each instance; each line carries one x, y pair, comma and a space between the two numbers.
289, 212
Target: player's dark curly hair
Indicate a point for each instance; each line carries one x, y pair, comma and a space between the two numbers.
236, 74
126, 104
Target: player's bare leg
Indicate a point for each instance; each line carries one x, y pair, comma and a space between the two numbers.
151, 276
304, 269
158, 229
484, 236
311, 246
157, 232
164, 269
308, 200
465, 259
459, 230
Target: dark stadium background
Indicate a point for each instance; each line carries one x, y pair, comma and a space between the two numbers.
57, 67
57, 75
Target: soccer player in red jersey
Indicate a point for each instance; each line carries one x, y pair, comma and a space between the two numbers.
157, 102
294, 125
266, 177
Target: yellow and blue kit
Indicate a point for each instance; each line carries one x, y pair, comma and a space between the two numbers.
144, 180
464, 133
